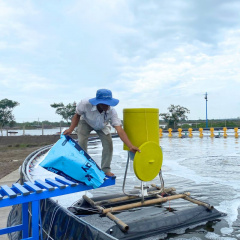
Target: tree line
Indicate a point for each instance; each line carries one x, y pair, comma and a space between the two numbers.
175, 117
7, 118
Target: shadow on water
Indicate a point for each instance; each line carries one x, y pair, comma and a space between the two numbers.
196, 232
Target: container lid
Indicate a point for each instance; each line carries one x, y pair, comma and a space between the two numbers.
140, 110
147, 164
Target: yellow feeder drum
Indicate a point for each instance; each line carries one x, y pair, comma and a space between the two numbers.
142, 128
141, 125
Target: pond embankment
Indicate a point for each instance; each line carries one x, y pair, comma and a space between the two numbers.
29, 140
15, 149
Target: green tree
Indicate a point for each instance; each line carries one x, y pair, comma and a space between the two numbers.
66, 112
6, 116
176, 114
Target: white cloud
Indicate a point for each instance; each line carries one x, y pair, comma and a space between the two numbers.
14, 25
22, 81
150, 53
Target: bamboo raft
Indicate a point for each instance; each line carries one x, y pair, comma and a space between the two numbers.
110, 206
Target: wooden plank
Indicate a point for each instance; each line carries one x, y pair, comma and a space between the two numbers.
20, 189
66, 181
55, 183
45, 185
8, 191
32, 187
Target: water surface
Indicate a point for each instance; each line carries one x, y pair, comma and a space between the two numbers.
207, 168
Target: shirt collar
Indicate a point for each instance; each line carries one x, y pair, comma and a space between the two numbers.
94, 108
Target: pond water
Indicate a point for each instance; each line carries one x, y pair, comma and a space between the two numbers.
36, 132
208, 168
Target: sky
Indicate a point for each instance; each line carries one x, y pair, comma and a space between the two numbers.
149, 53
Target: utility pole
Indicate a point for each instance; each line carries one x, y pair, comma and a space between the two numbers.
206, 110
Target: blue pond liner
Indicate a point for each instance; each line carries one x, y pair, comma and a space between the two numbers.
66, 158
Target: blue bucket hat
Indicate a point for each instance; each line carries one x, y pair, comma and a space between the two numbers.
104, 96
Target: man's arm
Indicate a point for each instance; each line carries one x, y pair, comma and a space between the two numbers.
74, 123
122, 134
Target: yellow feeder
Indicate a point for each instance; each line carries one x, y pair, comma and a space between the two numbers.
142, 128
141, 125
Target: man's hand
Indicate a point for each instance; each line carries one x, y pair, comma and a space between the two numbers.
67, 131
74, 123
122, 134
134, 149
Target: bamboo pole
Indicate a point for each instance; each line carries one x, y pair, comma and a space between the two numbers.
145, 203
191, 199
198, 202
115, 200
125, 198
123, 226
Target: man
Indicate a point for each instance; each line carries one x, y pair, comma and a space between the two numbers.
95, 114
